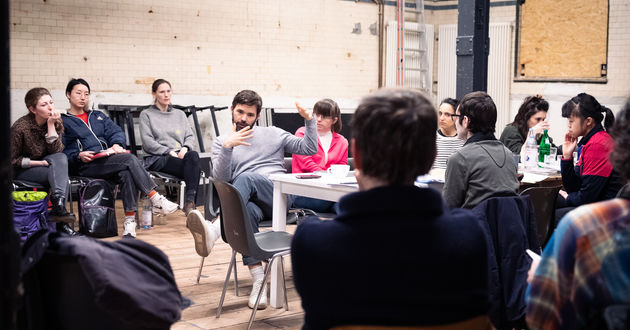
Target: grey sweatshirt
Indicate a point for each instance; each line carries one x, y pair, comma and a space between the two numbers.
265, 155
162, 132
478, 171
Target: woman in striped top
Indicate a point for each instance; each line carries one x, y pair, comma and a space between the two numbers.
447, 140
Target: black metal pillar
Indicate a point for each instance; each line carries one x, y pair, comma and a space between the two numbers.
473, 45
9, 241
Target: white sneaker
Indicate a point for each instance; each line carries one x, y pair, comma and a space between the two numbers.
130, 228
203, 232
162, 205
252, 296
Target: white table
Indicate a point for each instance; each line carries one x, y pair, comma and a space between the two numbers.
284, 184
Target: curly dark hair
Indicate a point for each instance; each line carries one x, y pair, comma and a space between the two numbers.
531, 105
620, 157
394, 130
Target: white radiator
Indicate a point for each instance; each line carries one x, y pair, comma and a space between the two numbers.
499, 71
447, 62
412, 78
498, 67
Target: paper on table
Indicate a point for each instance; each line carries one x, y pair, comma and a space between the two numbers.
438, 174
529, 177
347, 180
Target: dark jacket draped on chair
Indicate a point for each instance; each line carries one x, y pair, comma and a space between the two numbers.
510, 228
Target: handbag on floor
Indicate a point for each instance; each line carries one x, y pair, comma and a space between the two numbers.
97, 215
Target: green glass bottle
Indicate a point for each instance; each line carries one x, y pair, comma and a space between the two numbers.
544, 148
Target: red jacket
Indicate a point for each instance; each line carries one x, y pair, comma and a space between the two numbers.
337, 154
593, 178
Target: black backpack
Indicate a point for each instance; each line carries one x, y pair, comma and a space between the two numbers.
97, 215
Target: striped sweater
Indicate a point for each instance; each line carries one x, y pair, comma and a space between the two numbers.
446, 146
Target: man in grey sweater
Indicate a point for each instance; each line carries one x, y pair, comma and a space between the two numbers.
483, 167
248, 155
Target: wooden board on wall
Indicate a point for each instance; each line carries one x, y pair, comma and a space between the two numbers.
562, 39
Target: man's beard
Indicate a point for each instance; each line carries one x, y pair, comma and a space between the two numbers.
241, 124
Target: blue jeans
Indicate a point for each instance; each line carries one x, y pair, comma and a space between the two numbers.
257, 193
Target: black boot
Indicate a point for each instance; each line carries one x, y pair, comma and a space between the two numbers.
59, 212
63, 227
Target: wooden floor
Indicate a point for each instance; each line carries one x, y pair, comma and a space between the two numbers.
176, 241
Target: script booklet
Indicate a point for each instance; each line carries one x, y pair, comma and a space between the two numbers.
106, 153
533, 255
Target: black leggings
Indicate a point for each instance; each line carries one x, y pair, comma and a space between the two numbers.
187, 168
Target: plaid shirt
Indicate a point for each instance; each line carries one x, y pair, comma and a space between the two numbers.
584, 268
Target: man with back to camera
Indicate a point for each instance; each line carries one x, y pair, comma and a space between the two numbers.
483, 167
394, 253
246, 157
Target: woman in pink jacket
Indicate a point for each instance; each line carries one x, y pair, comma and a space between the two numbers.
332, 149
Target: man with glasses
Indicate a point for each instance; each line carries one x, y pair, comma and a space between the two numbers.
483, 167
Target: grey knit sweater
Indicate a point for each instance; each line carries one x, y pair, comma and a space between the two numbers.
477, 171
265, 155
162, 132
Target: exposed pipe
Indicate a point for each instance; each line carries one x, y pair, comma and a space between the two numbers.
400, 18
381, 40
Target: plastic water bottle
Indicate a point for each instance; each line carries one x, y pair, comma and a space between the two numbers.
147, 213
531, 151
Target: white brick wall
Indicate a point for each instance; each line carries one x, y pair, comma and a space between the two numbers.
282, 49
285, 50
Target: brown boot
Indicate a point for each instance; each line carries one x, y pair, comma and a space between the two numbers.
188, 206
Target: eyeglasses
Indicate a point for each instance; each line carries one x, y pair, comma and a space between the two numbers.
453, 116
